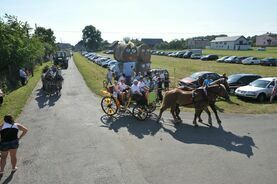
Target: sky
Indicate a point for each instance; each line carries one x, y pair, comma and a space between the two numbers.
166, 19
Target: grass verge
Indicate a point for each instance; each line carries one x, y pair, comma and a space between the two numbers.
15, 101
92, 73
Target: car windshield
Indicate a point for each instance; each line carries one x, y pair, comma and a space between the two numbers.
60, 54
233, 78
196, 75
260, 83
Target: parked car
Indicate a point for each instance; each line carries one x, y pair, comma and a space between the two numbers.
209, 57
109, 63
192, 81
240, 58
231, 59
261, 49
259, 89
238, 80
222, 59
181, 54
269, 62
195, 56
187, 54
251, 61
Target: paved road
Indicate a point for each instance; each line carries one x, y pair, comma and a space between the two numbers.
70, 141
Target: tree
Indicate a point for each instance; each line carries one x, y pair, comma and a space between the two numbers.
91, 38
47, 37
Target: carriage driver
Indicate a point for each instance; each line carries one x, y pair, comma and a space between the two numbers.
137, 94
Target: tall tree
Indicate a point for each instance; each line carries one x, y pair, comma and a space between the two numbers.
91, 38
47, 37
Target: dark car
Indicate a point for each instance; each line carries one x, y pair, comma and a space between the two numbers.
238, 80
187, 54
192, 81
209, 57
269, 62
61, 59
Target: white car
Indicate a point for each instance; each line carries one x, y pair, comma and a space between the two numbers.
251, 61
259, 89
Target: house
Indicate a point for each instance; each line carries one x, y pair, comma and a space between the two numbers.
230, 43
197, 43
268, 39
151, 42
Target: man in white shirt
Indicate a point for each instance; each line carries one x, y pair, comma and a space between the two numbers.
22, 76
137, 94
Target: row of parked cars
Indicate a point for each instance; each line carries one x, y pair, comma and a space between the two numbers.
242, 85
248, 60
103, 61
197, 54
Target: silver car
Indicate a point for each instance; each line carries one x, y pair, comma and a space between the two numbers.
259, 89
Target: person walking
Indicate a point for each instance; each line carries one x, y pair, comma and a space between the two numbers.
1, 97
274, 91
22, 76
10, 141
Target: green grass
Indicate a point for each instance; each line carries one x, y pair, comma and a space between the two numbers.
180, 68
15, 101
92, 73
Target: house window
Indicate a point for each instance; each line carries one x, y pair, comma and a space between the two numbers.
225, 43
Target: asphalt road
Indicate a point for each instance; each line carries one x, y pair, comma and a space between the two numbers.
70, 141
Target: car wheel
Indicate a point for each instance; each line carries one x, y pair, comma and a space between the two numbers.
261, 97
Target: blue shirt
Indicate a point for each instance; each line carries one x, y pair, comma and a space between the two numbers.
207, 82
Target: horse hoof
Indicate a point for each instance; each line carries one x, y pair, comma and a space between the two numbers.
219, 122
200, 121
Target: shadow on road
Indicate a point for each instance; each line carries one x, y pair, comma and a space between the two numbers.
212, 136
134, 127
185, 133
9, 178
44, 100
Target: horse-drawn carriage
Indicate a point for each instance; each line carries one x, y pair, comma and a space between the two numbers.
112, 105
51, 81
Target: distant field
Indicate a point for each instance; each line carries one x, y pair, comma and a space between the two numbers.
270, 52
180, 68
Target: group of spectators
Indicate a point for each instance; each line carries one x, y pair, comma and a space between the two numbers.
139, 84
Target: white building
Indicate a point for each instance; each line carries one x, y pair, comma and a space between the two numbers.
230, 43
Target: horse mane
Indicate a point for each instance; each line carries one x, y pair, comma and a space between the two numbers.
218, 81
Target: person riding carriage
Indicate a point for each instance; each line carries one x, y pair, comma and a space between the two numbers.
52, 79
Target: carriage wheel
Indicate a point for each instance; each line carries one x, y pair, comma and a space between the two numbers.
109, 106
140, 112
151, 107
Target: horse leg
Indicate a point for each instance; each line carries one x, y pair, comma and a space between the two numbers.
196, 114
212, 105
161, 112
172, 110
199, 117
177, 112
209, 114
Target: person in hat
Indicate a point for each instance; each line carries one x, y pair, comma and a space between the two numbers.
137, 94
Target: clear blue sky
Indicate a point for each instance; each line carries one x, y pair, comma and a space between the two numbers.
167, 19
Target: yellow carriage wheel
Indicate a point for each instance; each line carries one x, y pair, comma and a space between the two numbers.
109, 105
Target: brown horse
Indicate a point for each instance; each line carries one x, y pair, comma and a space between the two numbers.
191, 99
211, 101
